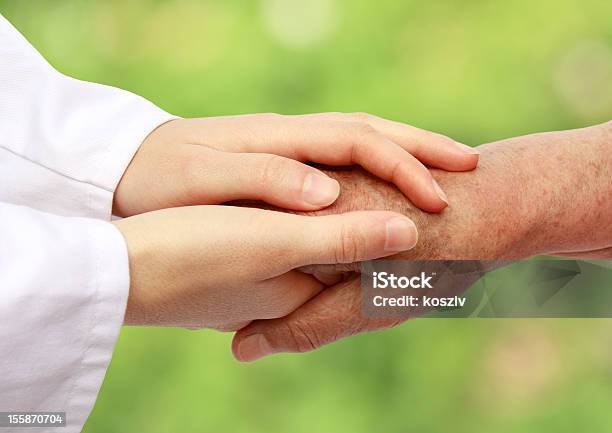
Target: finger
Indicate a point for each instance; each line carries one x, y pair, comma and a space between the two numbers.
394, 165
341, 238
381, 157
347, 143
224, 176
272, 298
334, 314
431, 148
283, 294
330, 274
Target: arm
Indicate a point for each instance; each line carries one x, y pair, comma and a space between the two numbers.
538, 194
65, 143
63, 289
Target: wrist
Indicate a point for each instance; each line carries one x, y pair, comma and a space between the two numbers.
549, 188
133, 194
488, 218
137, 255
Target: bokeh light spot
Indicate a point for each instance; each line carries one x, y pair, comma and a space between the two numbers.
298, 23
583, 79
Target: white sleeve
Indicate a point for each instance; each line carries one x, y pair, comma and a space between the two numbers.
63, 289
64, 143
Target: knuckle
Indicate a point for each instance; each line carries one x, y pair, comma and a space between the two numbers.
417, 147
351, 245
363, 136
364, 129
272, 170
361, 117
303, 337
397, 170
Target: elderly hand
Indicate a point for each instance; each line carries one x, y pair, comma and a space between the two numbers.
565, 208
219, 159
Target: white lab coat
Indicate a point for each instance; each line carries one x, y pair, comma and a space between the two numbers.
64, 276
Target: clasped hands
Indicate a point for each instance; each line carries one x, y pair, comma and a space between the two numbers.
197, 262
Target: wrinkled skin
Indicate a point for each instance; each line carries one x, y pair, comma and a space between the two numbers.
545, 193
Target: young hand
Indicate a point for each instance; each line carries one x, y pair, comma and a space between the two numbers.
219, 159
223, 266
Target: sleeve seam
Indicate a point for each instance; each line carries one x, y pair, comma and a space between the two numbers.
59, 173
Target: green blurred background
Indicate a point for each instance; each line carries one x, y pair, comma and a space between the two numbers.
476, 70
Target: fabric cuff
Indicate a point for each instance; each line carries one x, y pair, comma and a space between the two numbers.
108, 307
145, 117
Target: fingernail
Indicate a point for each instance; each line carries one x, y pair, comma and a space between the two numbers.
254, 347
465, 148
401, 235
319, 190
441, 193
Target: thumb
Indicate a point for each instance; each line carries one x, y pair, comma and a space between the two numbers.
330, 316
349, 237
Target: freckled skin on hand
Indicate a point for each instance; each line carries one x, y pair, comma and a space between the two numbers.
543, 193
538, 194
478, 227
521, 201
